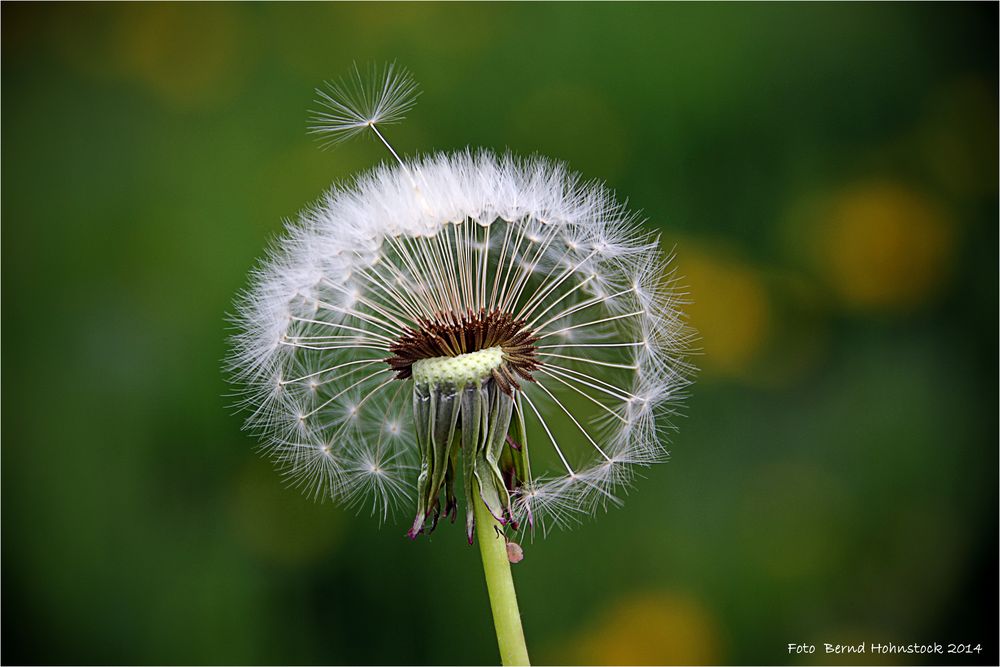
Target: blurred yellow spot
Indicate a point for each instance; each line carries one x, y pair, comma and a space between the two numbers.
885, 247
278, 523
730, 309
650, 629
186, 53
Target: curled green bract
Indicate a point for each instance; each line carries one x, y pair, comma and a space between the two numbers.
458, 408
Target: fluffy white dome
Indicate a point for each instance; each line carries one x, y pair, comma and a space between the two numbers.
458, 233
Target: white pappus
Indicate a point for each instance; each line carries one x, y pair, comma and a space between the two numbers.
466, 320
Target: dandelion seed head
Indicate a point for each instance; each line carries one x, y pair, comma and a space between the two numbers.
455, 289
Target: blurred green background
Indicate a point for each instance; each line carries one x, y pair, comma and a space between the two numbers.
827, 175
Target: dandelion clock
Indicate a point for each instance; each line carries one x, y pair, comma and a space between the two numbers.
465, 337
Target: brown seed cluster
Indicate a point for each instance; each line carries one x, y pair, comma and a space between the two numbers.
450, 334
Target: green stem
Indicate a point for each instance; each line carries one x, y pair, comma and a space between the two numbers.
506, 617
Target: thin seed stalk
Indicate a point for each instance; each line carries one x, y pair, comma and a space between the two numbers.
500, 585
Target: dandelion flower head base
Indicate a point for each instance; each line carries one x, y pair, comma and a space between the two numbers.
465, 401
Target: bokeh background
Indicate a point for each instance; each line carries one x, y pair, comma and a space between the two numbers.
827, 175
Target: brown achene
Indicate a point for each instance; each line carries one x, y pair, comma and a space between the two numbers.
450, 334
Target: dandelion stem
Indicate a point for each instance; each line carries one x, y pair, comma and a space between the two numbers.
500, 585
